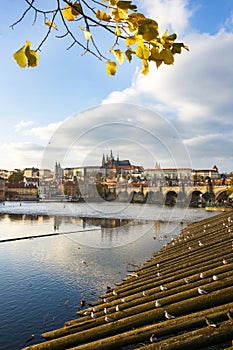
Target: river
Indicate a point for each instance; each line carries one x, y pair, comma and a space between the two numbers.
53, 255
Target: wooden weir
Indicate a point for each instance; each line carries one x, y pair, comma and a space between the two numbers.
182, 298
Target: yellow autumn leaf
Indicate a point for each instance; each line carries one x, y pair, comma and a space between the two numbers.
32, 57
142, 51
145, 67
51, 24
118, 55
128, 54
26, 57
20, 57
111, 68
130, 40
72, 12
103, 16
67, 13
117, 31
168, 57
86, 33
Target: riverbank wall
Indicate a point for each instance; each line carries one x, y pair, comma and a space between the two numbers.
182, 298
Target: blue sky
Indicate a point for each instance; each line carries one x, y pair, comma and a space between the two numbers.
191, 99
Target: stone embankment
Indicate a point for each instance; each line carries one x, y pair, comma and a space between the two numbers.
182, 298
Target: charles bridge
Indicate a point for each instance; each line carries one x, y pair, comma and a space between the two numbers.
165, 194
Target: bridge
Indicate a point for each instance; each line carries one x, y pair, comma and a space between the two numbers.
169, 195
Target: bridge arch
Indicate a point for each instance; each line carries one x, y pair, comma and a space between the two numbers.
222, 196
171, 198
194, 198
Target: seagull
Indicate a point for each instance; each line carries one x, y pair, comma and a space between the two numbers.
200, 244
230, 315
84, 262
117, 308
201, 291
108, 319
153, 339
168, 316
145, 293
82, 303
202, 275
159, 274
86, 313
157, 264
215, 278
114, 292
134, 274
210, 323
224, 261
106, 311
187, 280
105, 300
93, 315
124, 300
157, 303
162, 287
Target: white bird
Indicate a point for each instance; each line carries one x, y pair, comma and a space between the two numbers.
224, 261
157, 264
169, 316
124, 300
106, 311
202, 275
157, 303
187, 280
159, 274
86, 313
105, 300
114, 292
210, 323
162, 287
230, 315
153, 339
108, 319
200, 244
84, 262
201, 291
215, 278
145, 293
93, 315
117, 308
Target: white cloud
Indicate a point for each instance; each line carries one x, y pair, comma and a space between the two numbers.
23, 125
44, 132
170, 14
195, 93
21, 154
